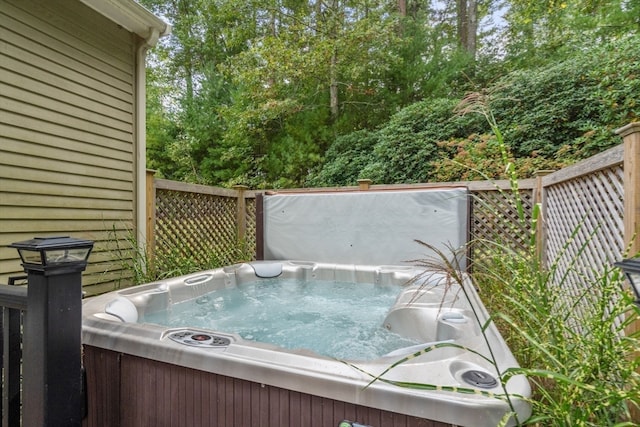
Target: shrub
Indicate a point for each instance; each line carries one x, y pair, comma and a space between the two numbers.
551, 116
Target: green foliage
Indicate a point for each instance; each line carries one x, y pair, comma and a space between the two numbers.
162, 129
582, 375
405, 148
257, 92
138, 265
409, 141
577, 102
541, 32
575, 347
346, 158
552, 116
251, 82
177, 260
132, 261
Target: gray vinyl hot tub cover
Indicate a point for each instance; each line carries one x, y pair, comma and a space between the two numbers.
367, 227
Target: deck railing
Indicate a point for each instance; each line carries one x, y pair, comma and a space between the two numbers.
41, 348
13, 303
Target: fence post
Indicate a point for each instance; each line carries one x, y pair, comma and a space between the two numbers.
52, 329
364, 184
631, 167
151, 217
11, 352
241, 212
260, 226
631, 139
538, 197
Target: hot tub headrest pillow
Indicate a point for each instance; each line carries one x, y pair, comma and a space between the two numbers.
267, 270
123, 309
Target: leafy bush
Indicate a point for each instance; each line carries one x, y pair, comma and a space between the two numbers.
409, 141
345, 159
551, 116
577, 102
402, 150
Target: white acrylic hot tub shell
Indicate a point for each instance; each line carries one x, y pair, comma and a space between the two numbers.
307, 372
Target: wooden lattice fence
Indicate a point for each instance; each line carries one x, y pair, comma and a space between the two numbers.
583, 213
199, 224
589, 215
584, 224
495, 217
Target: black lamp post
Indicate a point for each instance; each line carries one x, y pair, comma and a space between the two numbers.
631, 269
52, 378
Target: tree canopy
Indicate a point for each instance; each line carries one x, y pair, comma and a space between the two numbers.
282, 93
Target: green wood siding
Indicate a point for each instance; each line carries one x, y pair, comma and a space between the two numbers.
67, 153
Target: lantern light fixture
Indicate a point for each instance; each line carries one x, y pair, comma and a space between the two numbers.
47, 252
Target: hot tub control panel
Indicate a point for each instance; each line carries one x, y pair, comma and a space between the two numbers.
199, 339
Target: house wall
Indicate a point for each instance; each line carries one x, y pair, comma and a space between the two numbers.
67, 136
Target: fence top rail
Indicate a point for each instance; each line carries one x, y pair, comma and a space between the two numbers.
165, 184
611, 157
13, 297
524, 184
503, 184
351, 189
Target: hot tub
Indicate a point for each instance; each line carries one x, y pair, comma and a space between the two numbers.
463, 386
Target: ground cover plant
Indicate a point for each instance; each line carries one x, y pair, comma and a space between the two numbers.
140, 265
581, 363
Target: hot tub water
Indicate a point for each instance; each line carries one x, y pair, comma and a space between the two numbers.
336, 319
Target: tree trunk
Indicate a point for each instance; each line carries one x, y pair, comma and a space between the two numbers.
335, 25
467, 25
333, 88
461, 9
472, 27
402, 8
